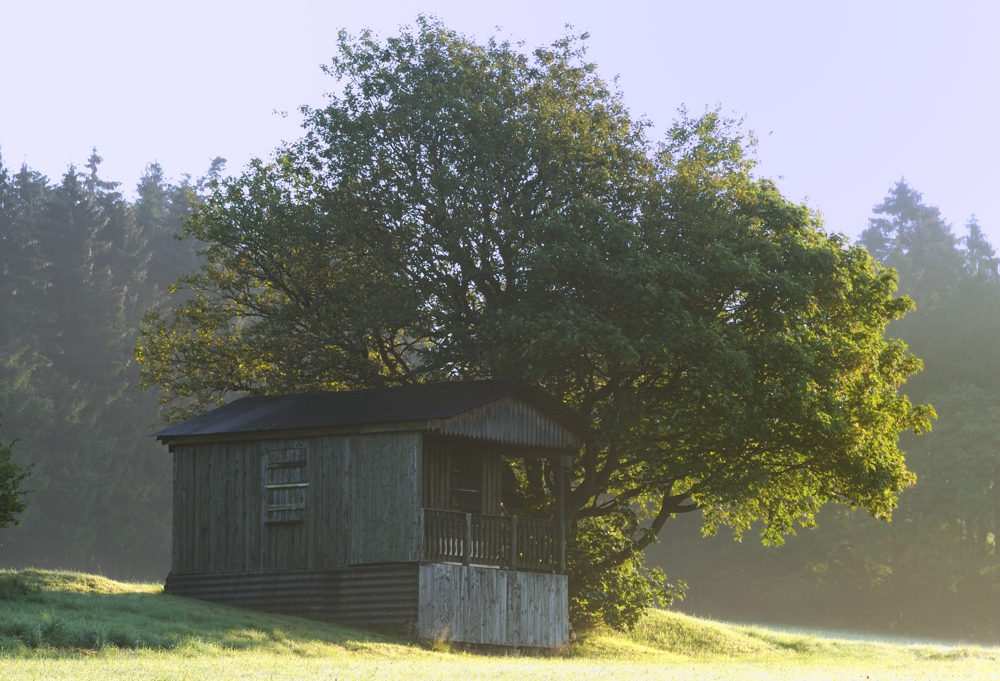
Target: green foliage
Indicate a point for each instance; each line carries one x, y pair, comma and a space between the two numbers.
621, 594
937, 565
934, 570
464, 210
12, 478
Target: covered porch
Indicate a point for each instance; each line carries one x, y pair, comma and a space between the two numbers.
470, 513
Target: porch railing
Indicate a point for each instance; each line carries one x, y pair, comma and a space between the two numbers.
472, 539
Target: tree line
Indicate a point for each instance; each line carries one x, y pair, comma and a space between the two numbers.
79, 265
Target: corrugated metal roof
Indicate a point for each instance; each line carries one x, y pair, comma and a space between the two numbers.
359, 407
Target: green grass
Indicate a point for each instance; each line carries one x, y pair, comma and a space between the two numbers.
69, 625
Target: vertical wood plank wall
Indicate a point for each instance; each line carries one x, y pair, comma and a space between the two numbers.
437, 479
494, 607
360, 487
492, 485
437, 473
383, 479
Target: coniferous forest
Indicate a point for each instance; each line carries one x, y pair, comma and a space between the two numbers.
79, 264
82, 259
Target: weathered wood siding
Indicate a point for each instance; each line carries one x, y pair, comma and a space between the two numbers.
493, 607
288, 540
437, 478
383, 485
508, 420
217, 507
438, 453
362, 504
286, 477
492, 484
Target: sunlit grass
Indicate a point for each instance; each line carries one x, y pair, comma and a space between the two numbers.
68, 625
44, 613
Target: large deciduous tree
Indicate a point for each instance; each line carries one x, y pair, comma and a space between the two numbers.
935, 570
463, 210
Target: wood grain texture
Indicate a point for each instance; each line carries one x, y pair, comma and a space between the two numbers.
492, 607
384, 479
439, 455
436, 477
509, 420
362, 503
287, 484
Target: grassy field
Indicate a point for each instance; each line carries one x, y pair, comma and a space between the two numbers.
60, 625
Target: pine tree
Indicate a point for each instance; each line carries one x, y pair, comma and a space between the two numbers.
80, 265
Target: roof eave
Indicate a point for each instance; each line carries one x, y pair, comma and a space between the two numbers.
296, 433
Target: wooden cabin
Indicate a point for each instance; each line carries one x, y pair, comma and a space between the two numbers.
378, 507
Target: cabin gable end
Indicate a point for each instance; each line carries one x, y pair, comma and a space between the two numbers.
508, 420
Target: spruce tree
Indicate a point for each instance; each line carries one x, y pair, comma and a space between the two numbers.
80, 265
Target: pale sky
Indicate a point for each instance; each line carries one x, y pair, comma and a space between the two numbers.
846, 97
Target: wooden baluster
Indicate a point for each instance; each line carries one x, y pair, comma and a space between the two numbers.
495, 540
501, 541
482, 540
498, 554
515, 557
528, 546
435, 536
431, 535
474, 535
488, 541
467, 544
482, 548
536, 557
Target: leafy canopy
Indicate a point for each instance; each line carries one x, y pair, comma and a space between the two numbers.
464, 210
935, 570
12, 493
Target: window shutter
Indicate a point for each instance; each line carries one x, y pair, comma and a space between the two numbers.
286, 487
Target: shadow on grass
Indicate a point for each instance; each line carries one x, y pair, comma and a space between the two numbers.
64, 611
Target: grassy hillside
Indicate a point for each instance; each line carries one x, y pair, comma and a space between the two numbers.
69, 625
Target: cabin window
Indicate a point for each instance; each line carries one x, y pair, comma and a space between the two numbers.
467, 483
286, 487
